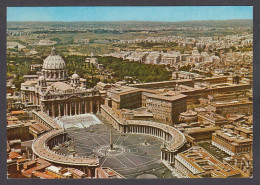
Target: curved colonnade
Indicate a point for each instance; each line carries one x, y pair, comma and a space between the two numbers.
174, 139
42, 148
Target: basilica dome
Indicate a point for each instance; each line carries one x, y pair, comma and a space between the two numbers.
54, 61
54, 68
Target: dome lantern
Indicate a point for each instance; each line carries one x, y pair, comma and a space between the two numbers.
53, 51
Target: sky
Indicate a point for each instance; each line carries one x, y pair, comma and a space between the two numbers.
129, 13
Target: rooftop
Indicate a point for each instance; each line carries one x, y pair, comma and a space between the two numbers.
232, 137
205, 163
230, 103
62, 86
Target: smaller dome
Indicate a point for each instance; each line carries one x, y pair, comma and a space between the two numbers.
74, 76
41, 78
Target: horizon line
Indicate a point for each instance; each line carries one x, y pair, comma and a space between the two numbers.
137, 21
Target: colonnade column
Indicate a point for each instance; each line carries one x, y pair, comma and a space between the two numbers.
70, 109
91, 107
170, 157
98, 106
64, 109
59, 109
85, 107
52, 110
75, 106
79, 108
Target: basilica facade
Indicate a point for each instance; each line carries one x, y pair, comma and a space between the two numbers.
56, 94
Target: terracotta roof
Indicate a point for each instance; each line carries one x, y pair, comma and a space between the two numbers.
13, 155
21, 160
38, 128
78, 172
47, 118
41, 164
17, 112
43, 175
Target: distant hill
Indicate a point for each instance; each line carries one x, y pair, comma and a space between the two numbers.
132, 24
220, 23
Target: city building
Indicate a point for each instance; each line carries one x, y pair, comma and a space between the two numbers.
212, 118
107, 173
231, 142
198, 163
166, 108
200, 133
46, 42
16, 129
232, 107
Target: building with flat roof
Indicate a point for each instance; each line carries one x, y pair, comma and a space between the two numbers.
197, 134
16, 129
198, 163
232, 107
166, 108
125, 97
231, 142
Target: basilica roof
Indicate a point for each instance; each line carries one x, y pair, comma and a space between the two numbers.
62, 86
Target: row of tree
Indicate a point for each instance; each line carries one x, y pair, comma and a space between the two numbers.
139, 71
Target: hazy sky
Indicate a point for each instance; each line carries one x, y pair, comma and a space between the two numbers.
129, 13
